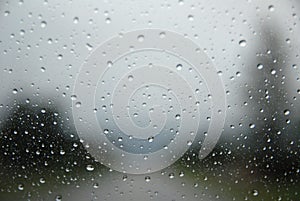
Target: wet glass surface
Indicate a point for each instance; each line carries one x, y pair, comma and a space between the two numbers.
149, 100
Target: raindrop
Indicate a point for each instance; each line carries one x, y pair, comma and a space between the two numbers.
59, 57
95, 185
179, 66
21, 187
43, 24
286, 112
90, 168
255, 192
243, 43
130, 78
75, 20
260, 66
147, 178
108, 20
252, 125
190, 17
151, 139
273, 71
15, 91
42, 180
6, 13
58, 198
162, 34
89, 47
271, 8
78, 104
141, 38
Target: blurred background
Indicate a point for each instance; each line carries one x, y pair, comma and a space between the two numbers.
253, 44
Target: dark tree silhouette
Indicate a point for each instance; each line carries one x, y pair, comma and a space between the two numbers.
35, 141
272, 152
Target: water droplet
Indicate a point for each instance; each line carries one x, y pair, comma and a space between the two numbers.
252, 125
22, 32
73, 97
255, 192
15, 91
171, 175
90, 168
21, 187
43, 24
89, 47
59, 57
147, 178
273, 71
75, 20
58, 198
177, 116
162, 34
151, 139
271, 8
243, 43
190, 17
6, 13
95, 185
42, 180
179, 66
130, 78
108, 20
77, 104
43, 69
286, 112
260, 66
141, 38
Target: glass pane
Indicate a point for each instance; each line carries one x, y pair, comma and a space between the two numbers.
149, 100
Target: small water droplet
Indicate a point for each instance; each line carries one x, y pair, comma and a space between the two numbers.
255, 192
191, 17
6, 13
177, 116
75, 20
15, 91
58, 198
43, 24
179, 66
108, 20
271, 8
78, 104
21, 187
273, 71
95, 185
59, 57
243, 43
42, 180
151, 139
90, 168
141, 38
260, 66
252, 125
130, 78
286, 112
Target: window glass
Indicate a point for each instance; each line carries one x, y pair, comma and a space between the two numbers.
149, 100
